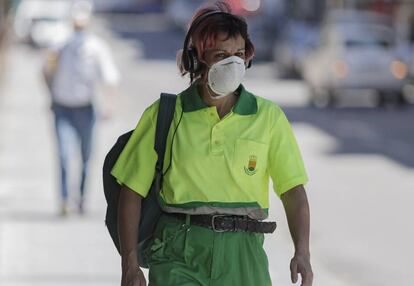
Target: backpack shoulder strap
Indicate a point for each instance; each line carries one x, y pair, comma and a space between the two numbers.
164, 119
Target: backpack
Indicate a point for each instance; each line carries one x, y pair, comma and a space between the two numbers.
150, 207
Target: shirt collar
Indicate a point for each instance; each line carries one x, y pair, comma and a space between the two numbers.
245, 105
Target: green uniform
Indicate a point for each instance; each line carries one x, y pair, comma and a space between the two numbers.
198, 256
216, 165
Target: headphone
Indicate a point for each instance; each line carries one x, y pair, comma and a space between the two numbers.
189, 58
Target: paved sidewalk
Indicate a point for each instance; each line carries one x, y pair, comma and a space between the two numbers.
36, 246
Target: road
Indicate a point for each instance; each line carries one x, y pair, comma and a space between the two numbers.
360, 162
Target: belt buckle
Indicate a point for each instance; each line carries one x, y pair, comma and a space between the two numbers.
213, 219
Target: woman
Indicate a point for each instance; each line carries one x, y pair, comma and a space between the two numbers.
224, 145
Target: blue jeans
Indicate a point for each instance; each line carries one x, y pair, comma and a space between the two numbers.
81, 120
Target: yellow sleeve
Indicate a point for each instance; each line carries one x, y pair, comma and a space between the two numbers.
135, 167
286, 166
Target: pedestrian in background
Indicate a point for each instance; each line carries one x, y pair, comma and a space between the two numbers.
225, 144
72, 73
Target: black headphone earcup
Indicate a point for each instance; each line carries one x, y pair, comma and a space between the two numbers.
192, 60
187, 61
196, 64
184, 60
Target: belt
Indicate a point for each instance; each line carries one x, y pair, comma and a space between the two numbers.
228, 223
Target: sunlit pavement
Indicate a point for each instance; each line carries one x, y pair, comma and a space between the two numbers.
361, 201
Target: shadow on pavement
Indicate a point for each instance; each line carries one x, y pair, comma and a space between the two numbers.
153, 48
386, 132
155, 36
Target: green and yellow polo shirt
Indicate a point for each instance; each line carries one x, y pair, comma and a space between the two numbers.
215, 165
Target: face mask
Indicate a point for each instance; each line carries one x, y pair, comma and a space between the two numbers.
225, 76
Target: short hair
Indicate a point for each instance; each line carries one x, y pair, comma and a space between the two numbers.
207, 31
82, 10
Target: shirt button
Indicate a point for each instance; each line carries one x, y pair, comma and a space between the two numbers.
217, 142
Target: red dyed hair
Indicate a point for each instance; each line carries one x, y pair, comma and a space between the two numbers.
205, 35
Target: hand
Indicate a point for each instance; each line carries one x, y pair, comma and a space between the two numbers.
133, 277
301, 264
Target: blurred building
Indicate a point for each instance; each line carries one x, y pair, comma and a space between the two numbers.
4, 7
4, 12
309, 10
404, 14
401, 11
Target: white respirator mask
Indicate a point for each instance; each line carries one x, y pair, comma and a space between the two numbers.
225, 76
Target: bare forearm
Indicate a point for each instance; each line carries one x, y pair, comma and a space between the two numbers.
48, 77
297, 212
49, 69
128, 219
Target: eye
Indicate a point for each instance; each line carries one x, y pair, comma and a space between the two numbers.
220, 55
240, 54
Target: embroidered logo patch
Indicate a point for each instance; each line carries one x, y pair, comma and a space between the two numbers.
251, 168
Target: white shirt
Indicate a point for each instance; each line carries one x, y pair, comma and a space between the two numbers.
84, 61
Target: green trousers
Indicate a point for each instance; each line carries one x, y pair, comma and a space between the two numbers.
186, 255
